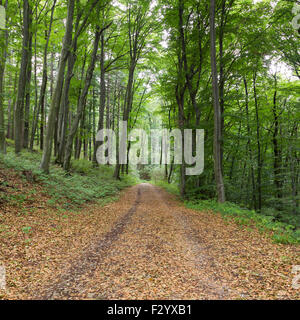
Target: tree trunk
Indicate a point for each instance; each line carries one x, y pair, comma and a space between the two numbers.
217, 112
180, 92
222, 77
127, 107
3, 46
28, 93
58, 88
19, 110
259, 161
10, 120
249, 145
276, 149
41, 103
82, 103
102, 97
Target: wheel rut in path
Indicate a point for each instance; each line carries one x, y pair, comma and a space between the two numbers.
200, 252
71, 282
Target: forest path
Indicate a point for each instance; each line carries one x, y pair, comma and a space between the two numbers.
160, 250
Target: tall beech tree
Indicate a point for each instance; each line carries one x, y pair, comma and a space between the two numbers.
24, 71
41, 102
3, 54
217, 109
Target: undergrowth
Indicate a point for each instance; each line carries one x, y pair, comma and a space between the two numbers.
280, 232
170, 187
67, 191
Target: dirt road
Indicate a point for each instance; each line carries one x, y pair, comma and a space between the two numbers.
158, 249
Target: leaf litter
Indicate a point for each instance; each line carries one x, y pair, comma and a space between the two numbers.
146, 245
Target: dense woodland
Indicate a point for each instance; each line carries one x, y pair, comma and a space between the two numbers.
231, 67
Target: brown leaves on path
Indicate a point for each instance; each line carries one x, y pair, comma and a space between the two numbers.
145, 246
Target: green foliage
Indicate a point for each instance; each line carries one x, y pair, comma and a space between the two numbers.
280, 232
68, 191
27, 230
82, 166
170, 187
145, 173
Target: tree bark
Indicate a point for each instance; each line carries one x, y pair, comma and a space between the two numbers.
58, 88
102, 97
41, 103
82, 103
28, 92
3, 46
19, 110
217, 112
259, 160
249, 147
276, 148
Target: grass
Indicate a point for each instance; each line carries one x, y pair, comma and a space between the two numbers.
84, 183
170, 187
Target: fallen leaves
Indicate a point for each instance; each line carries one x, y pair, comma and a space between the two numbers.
164, 251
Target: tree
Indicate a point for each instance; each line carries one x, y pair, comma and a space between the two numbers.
19, 110
58, 88
41, 102
139, 28
217, 111
3, 46
82, 100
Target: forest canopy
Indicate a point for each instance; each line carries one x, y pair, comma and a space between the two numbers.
231, 67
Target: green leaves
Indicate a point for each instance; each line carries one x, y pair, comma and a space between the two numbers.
279, 231
26, 230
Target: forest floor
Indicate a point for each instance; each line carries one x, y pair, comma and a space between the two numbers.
146, 245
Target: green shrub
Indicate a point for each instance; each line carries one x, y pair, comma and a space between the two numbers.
170, 187
84, 183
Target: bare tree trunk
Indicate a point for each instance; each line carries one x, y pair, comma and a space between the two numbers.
9, 107
35, 76
171, 171
28, 93
65, 103
41, 103
222, 77
276, 149
180, 91
294, 166
19, 110
259, 160
94, 124
249, 147
217, 112
82, 103
58, 88
191, 71
43, 112
107, 125
127, 107
102, 97
3, 46
10, 120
